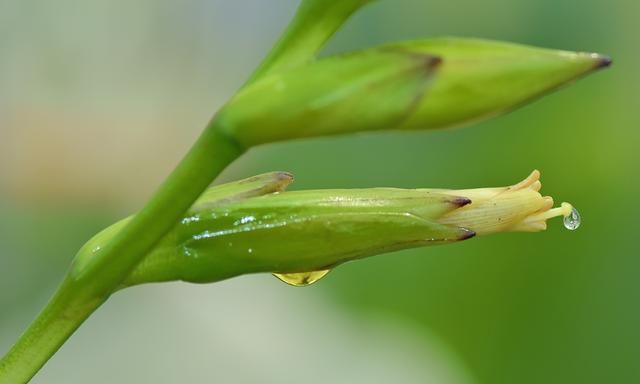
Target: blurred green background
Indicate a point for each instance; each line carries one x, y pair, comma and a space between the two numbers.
99, 99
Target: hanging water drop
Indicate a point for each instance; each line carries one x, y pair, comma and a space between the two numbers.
302, 279
572, 220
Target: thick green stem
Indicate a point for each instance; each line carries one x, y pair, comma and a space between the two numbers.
207, 158
64, 313
312, 26
89, 285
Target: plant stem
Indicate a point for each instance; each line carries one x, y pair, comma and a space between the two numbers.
88, 286
314, 23
64, 313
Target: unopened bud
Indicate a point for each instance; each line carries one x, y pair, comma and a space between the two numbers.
424, 84
293, 232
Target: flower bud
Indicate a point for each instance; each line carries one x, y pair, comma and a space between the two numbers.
423, 84
295, 233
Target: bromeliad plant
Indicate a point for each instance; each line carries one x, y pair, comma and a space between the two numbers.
250, 226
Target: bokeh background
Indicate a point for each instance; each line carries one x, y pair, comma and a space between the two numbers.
99, 100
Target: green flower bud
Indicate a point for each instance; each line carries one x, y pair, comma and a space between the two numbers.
300, 235
423, 84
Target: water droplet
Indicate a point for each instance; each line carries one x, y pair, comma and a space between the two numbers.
302, 279
572, 221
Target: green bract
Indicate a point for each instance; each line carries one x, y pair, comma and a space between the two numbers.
422, 84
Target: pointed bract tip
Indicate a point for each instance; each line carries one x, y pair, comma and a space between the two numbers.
282, 181
426, 61
284, 176
467, 234
461, 201
432, 62
603, 61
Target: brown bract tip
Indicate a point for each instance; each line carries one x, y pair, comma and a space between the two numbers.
284, 176
604, 62
429, 61
461, 201
466, 234
432, 62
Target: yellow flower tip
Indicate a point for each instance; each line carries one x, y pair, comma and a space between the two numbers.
532, 182
537, 221
519, 207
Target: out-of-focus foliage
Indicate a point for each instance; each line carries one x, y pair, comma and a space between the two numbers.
99, 100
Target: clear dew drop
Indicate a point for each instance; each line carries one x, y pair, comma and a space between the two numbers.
302, 279
572, 221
